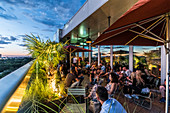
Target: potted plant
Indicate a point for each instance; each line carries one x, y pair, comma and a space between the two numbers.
45, 91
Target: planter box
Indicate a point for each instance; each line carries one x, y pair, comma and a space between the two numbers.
49, 104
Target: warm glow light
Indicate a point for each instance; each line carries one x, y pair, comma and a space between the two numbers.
88, 42
13, 103
53, 85
16, 100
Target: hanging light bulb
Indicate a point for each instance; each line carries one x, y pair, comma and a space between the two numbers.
88, 40
77, 43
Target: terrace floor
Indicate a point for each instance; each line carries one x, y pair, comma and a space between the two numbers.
130, 106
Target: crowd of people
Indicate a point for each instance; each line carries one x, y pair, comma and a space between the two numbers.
104, 82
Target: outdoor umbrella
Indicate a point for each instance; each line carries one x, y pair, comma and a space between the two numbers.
70, 49
145, 24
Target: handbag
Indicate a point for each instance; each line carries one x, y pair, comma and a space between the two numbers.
145, 90
95, 106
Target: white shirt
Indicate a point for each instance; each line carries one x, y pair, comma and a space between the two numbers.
75, 60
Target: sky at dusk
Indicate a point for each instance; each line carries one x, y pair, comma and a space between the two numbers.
40, 17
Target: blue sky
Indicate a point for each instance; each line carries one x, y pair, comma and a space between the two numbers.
40, 17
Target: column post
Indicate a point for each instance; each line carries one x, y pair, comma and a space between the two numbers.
131, 58
163, 64
111, 56
90, 53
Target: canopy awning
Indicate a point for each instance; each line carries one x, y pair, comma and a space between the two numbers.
141, 25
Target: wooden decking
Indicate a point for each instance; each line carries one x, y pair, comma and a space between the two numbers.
130, 105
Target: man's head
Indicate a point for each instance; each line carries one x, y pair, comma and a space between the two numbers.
124, 68
101, 94
101, 64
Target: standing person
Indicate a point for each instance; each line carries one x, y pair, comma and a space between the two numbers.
108, 105
75, 60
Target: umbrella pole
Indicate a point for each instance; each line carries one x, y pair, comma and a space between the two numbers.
167, 64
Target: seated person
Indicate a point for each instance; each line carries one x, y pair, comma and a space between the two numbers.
112, 85
94, 103
162, 89
103, 68
106, 76
75, 84
121, 78
108, 105
126, 72
70, 78
92, 76
81, 78
137, 85
92, 94
87, 65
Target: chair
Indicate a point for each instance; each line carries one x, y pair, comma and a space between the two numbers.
76, 91
144, 99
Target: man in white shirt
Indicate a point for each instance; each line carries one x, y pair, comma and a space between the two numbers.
126, 71
75, 60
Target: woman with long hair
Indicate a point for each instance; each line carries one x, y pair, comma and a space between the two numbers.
138, 83
112, 85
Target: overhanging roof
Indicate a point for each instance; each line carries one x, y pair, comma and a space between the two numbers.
94, 15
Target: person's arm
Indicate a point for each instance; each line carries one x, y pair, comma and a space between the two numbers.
90, 78
152, 75
76, 70
105, 74
93, 90
112, 88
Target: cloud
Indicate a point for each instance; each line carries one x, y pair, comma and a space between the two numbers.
49, 30
35, 27
23, 45
2, 9
7, 40
4, 42
120, 47
146, 48
8, 17
106, 47
12, 38
48, 21
6, 14
4, 38
22, 36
